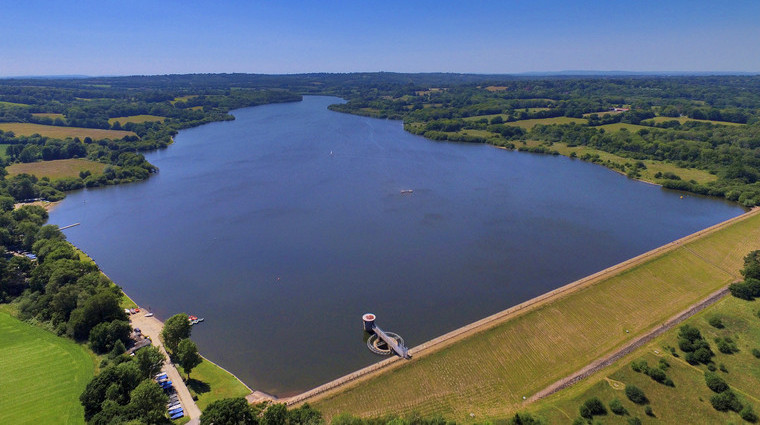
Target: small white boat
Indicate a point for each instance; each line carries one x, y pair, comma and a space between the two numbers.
407, 191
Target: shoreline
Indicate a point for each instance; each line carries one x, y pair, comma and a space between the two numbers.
491, 321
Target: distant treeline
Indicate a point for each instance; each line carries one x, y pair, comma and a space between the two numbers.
440, 106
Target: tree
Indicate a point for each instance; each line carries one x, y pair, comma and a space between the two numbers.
150, 360
305, 415
617, 407
104, 335
276, 414
187, 353
228, 411
95, 392
101, 307
176, 328
149, 401
635, 394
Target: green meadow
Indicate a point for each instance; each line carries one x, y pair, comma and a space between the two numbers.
42, 375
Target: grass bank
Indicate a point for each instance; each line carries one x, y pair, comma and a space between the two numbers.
42, 375
488, 373
688, 400
210, 382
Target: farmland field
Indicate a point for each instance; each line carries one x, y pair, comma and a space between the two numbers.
49, 115
21, 105
58, 132
685, 119
489, 373
183, 98
528, 124
621, 125
688, 400
45, 372
57, 168
653, 167
137, 119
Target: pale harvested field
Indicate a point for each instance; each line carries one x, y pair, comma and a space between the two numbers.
183, 98
488, 372
52, 116
57, 168
58, 132
137, 119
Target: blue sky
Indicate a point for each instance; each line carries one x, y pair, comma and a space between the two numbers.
107, 37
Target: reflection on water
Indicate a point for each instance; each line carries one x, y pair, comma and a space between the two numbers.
284, 226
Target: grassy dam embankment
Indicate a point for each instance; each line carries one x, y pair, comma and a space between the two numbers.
488, 367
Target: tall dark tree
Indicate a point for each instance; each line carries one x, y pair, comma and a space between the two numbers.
229, 411
187, 353
176, 328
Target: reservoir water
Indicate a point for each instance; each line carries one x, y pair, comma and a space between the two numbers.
284, 226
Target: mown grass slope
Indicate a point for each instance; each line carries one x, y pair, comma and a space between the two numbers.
211, 383
689, 400
42, 375
489, 373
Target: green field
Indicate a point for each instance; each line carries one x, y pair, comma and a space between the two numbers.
4, 151
685, 119
137, 119
49, 115
42, 375
647, 175
528, 124
21, 105
211, 383
490, 372
620, 125
688, 401
56, 169
58, 132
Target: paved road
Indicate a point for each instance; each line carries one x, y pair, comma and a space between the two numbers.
151, 327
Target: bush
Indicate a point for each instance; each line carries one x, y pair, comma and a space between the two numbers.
726, 345
703, 355
639, 366
634, 421
657, 374
664, 365
756, 353
716, 322
592, 407
715, 382
518, 419
635, 394
748, 414
617, 407
648, 411
726, 401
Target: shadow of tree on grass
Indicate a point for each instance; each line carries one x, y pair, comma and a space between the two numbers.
199, 387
